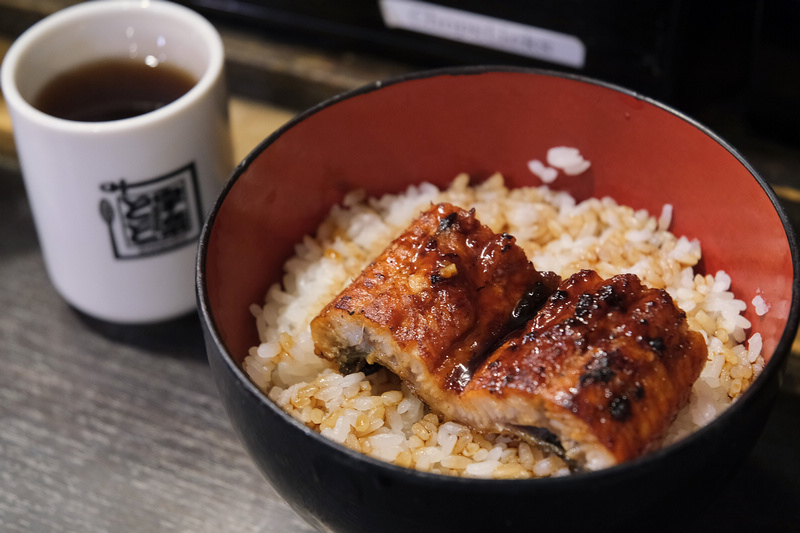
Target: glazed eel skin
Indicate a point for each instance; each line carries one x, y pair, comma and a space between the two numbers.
595, 370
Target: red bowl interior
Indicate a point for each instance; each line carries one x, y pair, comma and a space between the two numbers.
434, 126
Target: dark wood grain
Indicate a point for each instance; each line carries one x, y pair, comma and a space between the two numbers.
99, 432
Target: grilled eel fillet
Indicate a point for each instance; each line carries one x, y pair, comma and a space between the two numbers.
594, 370
433, 303
601, 371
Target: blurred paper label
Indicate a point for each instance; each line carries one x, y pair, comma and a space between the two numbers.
485, 31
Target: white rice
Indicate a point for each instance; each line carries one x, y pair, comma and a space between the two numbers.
378, 416
567, 159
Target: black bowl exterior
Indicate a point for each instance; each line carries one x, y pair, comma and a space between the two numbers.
336, 489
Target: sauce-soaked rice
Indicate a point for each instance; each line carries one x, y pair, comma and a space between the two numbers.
378, 416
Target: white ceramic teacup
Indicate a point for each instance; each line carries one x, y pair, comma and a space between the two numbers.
118, 205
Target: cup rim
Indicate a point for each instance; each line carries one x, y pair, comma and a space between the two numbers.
72, 15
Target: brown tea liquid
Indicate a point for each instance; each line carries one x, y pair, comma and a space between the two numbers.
112, 89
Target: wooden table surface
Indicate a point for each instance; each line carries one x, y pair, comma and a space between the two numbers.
118, 429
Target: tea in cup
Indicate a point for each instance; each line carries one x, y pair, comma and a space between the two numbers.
120, 118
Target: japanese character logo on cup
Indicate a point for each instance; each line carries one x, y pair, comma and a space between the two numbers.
152, 216
120, 116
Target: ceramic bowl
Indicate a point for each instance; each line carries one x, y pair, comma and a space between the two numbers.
430, 127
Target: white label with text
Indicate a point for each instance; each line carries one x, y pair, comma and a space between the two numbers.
485, 31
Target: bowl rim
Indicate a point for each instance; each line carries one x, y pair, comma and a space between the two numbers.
774, 366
